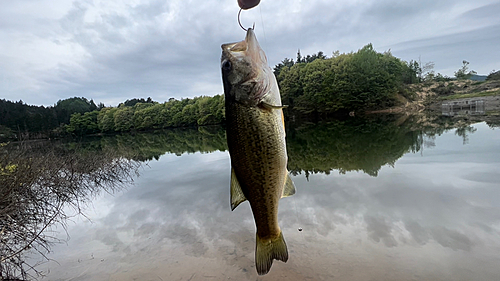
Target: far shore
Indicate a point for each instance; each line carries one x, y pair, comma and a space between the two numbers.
431, 96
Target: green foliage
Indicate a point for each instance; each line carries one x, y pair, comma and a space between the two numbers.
83, 124
445, 89
464, 73
284, 63
6, 133
84, 117
493, 76
30, 121
412, 73
351, 145
106, 119
149, 146
310, 58
469, 95
441, 78
198, 111
124, 118
147, 117
289, 62
65, 108
345, 82
133, 102
21, 118
354, 144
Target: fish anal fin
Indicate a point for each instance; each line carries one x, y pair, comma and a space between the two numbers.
268, 250
237, 196
289, 188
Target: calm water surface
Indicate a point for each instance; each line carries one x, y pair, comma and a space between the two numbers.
430, 213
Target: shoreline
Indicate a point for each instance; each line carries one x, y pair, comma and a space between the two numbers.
429, 97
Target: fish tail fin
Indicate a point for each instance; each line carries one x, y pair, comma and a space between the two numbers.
267, 250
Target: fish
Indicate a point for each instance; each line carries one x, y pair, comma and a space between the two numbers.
255, 131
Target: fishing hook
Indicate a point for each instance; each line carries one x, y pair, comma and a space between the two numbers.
239, 22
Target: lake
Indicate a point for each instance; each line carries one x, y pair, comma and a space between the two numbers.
392, 198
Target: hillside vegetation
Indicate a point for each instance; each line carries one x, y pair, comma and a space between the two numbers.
315, 85
356, 81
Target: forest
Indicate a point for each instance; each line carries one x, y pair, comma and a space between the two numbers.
79, 116
310, 85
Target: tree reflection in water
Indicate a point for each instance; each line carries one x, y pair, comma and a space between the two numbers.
37, 182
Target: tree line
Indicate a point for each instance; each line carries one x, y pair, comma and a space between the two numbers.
27, 121
198, 111
312, 84
79, 116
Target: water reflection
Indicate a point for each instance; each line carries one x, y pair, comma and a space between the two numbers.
463, 107
37, 181
410, 201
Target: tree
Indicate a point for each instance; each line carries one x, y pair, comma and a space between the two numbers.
345, 82
134, 101
106, 119
413, 72
299, 57
124, 119
493, 75
65, 108
464, 73
83, 124
427, 71
284, 63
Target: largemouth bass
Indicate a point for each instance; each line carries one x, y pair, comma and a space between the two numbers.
256, 141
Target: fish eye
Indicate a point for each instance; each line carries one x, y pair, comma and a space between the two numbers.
226, 65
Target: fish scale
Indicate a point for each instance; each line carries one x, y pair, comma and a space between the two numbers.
258, 178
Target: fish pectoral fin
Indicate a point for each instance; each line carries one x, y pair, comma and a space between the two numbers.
270, 106
289, 189
237, 196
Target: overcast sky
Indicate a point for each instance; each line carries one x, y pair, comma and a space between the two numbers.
115, 50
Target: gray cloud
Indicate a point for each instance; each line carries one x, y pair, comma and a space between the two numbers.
111, 51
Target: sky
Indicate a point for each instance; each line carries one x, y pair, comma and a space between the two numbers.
115, 50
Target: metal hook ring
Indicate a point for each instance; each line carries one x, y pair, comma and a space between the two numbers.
239, 22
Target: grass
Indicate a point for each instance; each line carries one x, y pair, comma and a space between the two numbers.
470, 95
493, 113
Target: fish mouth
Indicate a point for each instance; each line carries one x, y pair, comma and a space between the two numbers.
250, 46
242, 64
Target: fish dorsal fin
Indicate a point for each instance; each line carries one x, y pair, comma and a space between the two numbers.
237, 196
289, 189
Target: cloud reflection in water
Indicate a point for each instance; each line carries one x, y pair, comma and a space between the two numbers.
434, 215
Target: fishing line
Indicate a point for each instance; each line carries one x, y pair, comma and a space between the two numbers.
263, 29
294, 200
297, 215
265, 43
